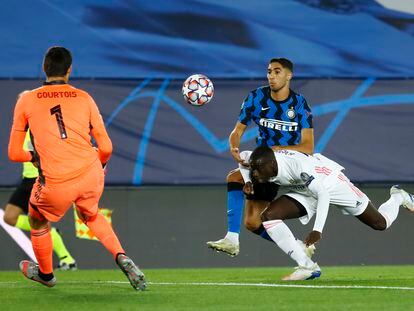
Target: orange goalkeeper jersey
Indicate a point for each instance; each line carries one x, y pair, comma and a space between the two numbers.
62, 119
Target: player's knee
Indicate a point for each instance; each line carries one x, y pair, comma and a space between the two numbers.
86, 217
265, 216
10, 219
252, 224
379, 225
37, 223
234, 176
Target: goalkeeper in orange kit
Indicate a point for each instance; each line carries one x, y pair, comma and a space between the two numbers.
62, 120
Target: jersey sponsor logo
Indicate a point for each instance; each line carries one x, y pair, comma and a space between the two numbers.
56, 94
265, 108
291, 114
279, 125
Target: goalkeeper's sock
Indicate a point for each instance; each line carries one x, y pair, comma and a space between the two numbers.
43, 249
235, 206
23, 222
261, 231
60, 248
103, 231
283, 237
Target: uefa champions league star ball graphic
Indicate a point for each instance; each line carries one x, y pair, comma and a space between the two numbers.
198, 90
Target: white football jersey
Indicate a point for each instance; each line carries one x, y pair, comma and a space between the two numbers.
297, 171
313, 176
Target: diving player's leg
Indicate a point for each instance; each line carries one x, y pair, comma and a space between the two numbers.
283, 208
387, 213
235, 205
376, 220
406, 199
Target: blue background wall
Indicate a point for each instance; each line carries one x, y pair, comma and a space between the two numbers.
366, 125
140, 39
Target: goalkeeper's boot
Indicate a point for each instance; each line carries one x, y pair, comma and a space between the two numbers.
304, 273
134, 275
226, 246
31, 271
309, 250
408, 198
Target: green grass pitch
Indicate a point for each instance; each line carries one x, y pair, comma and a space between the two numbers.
339, 288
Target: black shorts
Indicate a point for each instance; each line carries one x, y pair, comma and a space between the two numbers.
264, 192
21, 195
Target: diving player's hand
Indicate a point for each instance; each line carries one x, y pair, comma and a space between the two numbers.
313, 238
248, 188
235, 152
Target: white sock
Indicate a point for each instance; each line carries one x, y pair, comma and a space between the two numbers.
391, 208
283, 237
233, 237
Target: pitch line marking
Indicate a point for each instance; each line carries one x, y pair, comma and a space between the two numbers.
236, 284
286, 285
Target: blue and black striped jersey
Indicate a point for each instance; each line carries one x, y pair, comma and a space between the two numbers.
280, 123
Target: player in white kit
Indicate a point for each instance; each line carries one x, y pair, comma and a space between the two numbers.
312, 183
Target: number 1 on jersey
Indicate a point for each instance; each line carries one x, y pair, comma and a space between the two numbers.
57, 111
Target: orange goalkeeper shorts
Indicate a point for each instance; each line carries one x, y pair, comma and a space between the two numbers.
51, 201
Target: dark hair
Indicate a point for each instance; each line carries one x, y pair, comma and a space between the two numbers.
57, 61
284, 62
260, 156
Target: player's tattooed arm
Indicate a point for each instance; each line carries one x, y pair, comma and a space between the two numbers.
234, 141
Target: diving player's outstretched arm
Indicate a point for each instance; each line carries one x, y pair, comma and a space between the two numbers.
322, 196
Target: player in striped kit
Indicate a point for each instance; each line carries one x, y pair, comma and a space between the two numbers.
313, 183
284, 120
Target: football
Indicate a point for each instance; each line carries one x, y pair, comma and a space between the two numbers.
198, 90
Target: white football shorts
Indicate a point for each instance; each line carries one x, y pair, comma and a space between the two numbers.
343, 194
